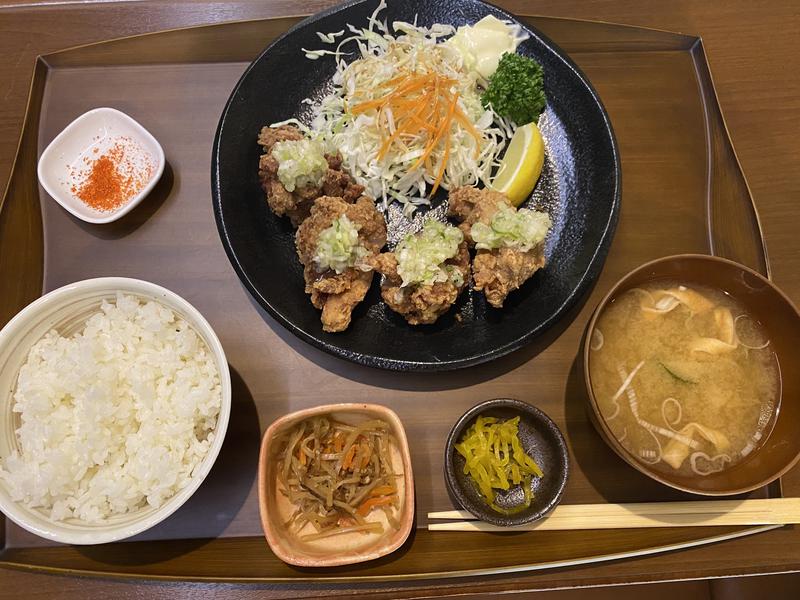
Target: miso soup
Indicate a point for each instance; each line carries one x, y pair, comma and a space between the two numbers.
684, 377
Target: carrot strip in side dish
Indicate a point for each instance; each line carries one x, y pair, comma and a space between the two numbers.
337, 473
367, 455
348, 459
373, 502
383, 490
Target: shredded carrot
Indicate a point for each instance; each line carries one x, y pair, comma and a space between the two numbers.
422, 106
446, 151
444, 126
371, 503
338, 443
366, 456
303, 458
382, 490
348, 459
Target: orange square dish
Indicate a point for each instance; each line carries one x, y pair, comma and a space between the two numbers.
348, 548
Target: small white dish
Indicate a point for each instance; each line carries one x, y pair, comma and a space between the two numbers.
64, 163
66, 309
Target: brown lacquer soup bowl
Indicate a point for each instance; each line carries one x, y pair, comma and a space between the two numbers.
779, 448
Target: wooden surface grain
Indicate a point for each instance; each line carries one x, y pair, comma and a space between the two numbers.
749, 47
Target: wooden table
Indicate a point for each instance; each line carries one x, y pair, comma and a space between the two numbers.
751, 46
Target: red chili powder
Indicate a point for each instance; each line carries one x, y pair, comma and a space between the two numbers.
114, 177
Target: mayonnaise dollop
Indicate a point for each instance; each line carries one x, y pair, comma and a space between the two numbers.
484, 43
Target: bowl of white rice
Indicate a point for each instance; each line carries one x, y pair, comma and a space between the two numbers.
115, 396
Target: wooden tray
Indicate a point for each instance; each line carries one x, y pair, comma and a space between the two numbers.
683, 191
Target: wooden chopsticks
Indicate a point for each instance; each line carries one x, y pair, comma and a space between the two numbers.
773, 511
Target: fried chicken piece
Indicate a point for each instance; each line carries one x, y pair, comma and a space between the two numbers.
500, 271
338, 183
337, 294
470, 205
421, 304
269, 136
297, 204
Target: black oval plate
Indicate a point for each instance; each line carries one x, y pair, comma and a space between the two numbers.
579, 186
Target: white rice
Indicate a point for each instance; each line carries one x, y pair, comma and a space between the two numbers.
113, 418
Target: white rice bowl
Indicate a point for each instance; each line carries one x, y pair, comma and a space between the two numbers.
116, 404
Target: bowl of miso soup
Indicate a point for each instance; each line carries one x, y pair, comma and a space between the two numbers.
690, 365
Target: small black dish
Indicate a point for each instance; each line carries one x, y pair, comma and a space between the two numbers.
541, 439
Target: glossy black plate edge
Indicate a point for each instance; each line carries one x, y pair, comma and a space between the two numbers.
378, 362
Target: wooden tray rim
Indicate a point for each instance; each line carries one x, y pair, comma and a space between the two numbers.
338, 579
690, 43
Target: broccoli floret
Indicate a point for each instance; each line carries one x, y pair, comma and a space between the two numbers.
516, 90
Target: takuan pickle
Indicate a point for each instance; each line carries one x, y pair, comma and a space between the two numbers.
495, 459
336, 474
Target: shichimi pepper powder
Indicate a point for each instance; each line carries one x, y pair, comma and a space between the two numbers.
115, 177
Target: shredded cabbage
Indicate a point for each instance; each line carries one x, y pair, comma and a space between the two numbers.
522, 229
338, 247
384, 56
420, 256
300, 163
455, 275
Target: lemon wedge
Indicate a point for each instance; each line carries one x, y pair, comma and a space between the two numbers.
522, 164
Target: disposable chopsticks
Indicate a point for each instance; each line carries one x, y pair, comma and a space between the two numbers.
773, 511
